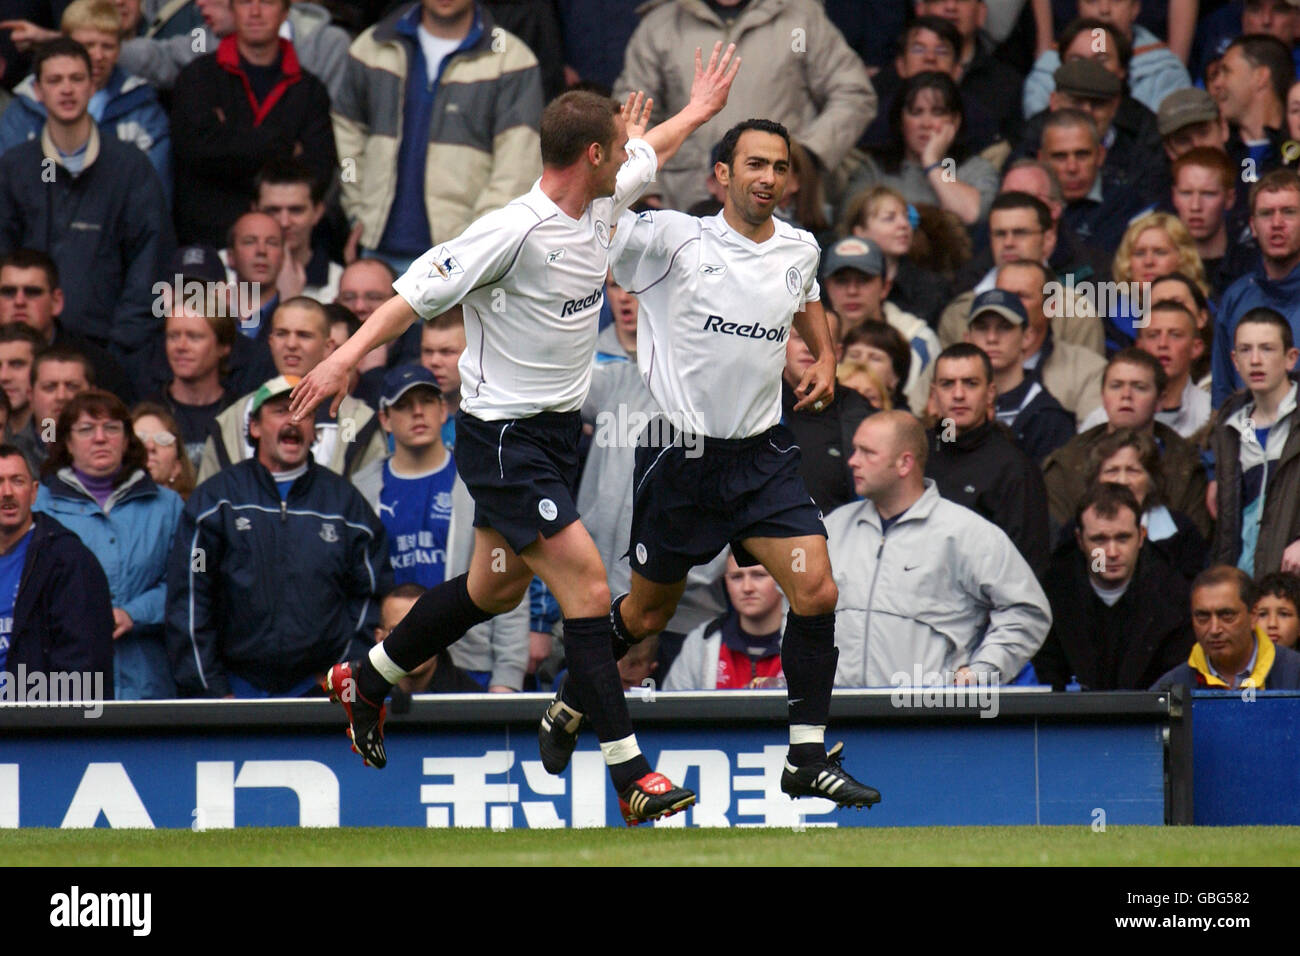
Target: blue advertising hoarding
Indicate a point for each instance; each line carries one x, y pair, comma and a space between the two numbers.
473, 762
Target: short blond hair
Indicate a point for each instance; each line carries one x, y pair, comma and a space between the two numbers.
845, 372
98, 15
1189, 261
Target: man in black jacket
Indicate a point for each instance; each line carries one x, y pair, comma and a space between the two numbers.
975, 462
56, 617
276, 568
93, 204
1119, 611
235, 110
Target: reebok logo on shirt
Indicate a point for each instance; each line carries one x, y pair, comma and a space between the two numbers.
715, 323
574, 306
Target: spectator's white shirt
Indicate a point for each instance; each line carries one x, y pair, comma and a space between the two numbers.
716, 310
531, 281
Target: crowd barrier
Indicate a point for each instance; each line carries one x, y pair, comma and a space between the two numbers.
1019, 757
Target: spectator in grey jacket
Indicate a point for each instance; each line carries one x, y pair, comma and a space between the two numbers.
929, 590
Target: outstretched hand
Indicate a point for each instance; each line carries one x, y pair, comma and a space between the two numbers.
636, 114
712, 85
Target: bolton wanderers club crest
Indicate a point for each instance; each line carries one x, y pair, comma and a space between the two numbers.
793, 280
602, 233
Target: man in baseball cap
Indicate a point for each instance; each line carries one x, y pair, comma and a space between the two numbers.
998, 324
1190, 118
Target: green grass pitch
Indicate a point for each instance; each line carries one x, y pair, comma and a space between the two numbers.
648, 846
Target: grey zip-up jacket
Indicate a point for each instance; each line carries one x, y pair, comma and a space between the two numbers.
941, 589
499, 645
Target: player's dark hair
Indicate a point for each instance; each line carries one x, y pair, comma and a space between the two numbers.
1280, 584
63, 353
33, 259
1089, 24
943, 29
1107, 498
286, 171
1136, 356
98, 404
1263, 315
5, 404
13, 451
945, 88
726, 149
1227, 574
60, 46
1260, 49
1018, 200
573, 121
965, 350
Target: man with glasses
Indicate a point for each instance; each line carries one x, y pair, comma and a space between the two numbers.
1256, 448
30, 294
1021, 229
1275, 283
930, 43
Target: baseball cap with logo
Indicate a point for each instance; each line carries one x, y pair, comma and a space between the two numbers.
853, 252
398, 381
279, 385
999, 302
197, 262
1185, 107
1087, 79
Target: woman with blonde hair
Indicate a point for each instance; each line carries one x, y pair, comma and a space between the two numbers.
860, 377
1153, 245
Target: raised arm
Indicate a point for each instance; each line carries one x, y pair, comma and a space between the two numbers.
709, 92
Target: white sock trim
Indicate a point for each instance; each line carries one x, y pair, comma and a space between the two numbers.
620, 751
807, 734
380, 660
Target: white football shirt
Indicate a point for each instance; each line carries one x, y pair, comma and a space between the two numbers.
531, 281
716, 310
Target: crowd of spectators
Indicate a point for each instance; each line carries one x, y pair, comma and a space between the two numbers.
1060, 261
